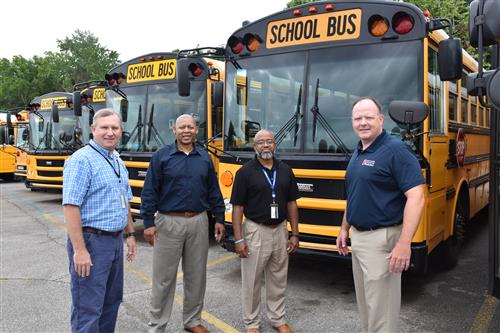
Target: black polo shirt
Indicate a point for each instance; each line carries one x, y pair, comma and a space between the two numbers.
252, 191
376, 180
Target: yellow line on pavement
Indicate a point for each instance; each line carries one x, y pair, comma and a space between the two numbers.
221, 325
485, 315
52, 219
206, 316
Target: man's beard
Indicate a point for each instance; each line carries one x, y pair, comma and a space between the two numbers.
266, 155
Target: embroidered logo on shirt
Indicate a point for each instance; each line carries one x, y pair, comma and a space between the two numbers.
369, 163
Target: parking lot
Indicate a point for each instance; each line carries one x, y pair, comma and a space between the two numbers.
35, 297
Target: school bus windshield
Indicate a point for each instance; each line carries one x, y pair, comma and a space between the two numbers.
47, 135
152, 110
264, 93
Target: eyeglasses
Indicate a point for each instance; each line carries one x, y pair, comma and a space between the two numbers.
262, 142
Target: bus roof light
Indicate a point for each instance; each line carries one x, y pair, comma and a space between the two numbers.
378, 25
236, 44
402, 23
252, 42
329, 6
312, 9
297, 12
427, 13
159, 57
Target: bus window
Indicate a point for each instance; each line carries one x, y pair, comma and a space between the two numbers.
464, 114
452, 101
473, 111
436, 95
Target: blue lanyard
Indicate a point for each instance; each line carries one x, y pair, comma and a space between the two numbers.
271, 182
117, 173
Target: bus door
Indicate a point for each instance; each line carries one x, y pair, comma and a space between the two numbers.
437, 154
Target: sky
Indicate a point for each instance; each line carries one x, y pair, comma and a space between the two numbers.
130, 27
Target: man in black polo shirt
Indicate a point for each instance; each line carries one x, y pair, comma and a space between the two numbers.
385, 199
265, 191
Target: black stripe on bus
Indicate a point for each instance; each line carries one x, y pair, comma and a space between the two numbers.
479, 180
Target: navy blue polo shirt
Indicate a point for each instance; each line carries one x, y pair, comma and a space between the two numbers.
376, 180
179, 182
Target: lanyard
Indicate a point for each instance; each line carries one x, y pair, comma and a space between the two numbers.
271, 182
111, 165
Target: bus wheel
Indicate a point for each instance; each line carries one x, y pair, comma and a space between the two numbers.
453, 244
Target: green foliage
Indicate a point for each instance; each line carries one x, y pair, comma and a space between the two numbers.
80, 58
294, 3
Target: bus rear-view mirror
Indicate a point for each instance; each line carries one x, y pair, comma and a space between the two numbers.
124, 109
77, 103
450, 59
55, 113
408, 112
183, 83
218, 94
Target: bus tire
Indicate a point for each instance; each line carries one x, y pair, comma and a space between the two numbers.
452, 246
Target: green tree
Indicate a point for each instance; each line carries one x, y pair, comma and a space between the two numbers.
84, 58
80, 58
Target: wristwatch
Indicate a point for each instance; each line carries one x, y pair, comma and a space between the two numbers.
295, 235
129, 234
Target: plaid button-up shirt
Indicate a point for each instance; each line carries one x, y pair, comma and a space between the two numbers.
92, 184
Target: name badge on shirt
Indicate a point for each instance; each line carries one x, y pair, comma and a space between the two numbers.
274, 211
122, 199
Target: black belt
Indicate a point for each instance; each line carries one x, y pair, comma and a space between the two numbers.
181, 214
91, 230
375, 227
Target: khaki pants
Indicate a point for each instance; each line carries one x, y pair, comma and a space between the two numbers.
378, 292
268, 258
179, 237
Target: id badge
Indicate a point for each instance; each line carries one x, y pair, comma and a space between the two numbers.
274, 211
122, 199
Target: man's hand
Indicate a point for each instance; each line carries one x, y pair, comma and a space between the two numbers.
293, 244
399, 258
342, 242
242, 249
219, 231
132, 248
82, 262
151, 235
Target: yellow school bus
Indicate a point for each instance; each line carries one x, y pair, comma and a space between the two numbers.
149, 84
7, 147
54, 136
92, 97
21, 142
296, 73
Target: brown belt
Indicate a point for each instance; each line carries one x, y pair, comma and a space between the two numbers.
91, 230
182, 214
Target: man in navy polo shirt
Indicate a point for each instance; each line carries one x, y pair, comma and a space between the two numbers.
385, 199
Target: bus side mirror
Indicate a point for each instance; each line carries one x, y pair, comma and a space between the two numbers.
493, 89
26, 134
450, 59
408, 112
218, 94
55, 113
490, 19
9, 121
11, 139
77, 103
124, 110
183, 83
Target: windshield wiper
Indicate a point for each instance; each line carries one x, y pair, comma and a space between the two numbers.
292, 123
137, 128
152, 129
318, 117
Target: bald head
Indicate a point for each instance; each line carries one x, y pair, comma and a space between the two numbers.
185, 117
264, 133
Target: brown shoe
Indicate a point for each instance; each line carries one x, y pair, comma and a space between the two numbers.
253, 330
283, 329
197, 329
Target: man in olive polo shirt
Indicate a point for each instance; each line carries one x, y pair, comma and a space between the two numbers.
385, 199
265, 191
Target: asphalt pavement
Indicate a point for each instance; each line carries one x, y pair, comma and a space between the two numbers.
34, 282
